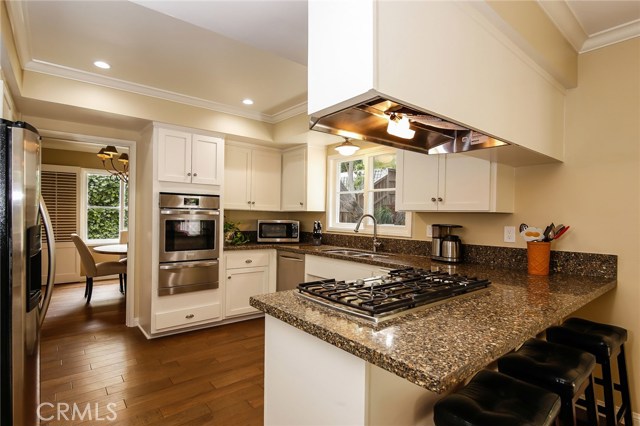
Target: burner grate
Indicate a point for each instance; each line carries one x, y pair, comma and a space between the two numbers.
401, 289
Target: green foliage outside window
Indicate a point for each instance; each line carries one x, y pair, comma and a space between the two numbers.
103, 207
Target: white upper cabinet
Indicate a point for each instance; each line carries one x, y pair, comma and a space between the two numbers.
453, 182
304, 179
189, 158
252, 178
206, 159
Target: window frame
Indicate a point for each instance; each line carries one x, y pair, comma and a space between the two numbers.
84, 206
367, 155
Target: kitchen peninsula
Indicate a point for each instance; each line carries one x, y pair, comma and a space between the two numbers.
324, 367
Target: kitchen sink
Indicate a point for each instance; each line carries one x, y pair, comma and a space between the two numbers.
345, 252
371, 255
356, 253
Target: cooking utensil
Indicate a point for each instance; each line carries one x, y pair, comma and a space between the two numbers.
523, 226
532, 234
552, 234
545, 233
562, 231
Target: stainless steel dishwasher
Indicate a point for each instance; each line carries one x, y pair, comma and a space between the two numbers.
290, 270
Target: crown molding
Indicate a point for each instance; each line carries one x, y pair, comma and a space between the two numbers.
566, 22
113, 83
20, 28
288, 113
612, 36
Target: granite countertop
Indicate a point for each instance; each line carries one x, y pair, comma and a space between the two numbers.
392, 260
440, 346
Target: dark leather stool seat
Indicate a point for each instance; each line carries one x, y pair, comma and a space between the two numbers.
605, 342
557, 368
495, 399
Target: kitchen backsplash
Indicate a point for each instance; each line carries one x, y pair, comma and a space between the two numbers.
586, 264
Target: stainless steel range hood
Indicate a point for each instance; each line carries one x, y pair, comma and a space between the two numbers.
368, 120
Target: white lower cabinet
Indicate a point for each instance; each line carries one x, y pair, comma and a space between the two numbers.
248, 273
186, 317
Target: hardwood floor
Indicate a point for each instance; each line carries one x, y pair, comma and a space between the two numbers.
116, 376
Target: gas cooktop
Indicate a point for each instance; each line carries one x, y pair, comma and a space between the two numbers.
380, 298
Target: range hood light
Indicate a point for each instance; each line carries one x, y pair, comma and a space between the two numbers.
399, 126
346, 148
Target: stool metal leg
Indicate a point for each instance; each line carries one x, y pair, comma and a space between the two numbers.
607, 384
624, 388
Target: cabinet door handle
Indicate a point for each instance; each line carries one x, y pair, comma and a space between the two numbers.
301, 203
248, 202
195, 174
189, 316
433, 199
253, 202
229, 277
189, 174
440, 199
248, 261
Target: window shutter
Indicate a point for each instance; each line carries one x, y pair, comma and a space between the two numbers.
59, 190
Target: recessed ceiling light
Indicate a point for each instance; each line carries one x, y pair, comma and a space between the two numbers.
247, 101
102, 64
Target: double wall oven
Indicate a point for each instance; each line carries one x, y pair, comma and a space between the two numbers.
189, 251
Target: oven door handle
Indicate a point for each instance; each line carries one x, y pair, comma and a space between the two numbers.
191, 212
183, 265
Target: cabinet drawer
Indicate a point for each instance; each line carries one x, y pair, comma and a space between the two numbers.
188, 316
247, 259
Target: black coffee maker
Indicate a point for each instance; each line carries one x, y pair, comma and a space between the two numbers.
445, 246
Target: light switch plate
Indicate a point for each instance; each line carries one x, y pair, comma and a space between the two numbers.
509, 234
429, 231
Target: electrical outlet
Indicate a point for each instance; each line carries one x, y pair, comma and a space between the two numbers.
509, 234
429, 231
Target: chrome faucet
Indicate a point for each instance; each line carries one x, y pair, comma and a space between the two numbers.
376, 243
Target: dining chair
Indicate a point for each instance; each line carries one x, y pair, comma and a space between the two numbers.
93, 269
123, 238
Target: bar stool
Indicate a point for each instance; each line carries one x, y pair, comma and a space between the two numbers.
561, 369
605, 342
495, 399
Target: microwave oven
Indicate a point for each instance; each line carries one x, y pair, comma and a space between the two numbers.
278, 231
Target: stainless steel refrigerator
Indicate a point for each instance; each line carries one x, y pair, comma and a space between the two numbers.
23, 298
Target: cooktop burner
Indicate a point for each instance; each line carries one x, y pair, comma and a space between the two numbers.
401, 290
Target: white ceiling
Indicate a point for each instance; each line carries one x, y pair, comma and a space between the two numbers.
214, 53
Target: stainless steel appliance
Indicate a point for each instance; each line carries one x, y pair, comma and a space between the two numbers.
290, 270
445, 246
23, 305
379, 299
278, 231
189, 243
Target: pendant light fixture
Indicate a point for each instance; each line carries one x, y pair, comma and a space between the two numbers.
346, 148
109, 153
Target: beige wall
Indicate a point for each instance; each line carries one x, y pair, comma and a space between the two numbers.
62, 157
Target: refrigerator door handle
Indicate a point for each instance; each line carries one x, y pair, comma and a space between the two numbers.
51, 270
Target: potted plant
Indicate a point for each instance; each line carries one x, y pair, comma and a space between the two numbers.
233, 235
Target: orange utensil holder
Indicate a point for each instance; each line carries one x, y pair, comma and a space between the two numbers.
538, 256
